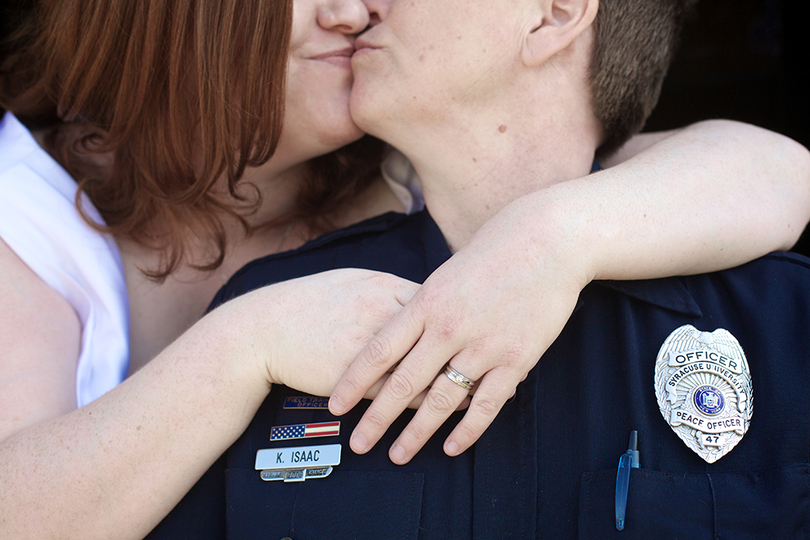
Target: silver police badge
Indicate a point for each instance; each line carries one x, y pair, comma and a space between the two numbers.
703, 386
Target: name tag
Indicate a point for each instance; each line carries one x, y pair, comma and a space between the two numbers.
296, 464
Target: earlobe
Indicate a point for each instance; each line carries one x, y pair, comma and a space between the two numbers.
559, 23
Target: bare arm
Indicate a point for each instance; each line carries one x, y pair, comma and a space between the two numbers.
116, 467
43, 364
715, 195
708, 197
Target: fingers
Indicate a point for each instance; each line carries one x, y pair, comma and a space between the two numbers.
411, 376
500, 373
491, 392
441, 401
383, 351
415, 402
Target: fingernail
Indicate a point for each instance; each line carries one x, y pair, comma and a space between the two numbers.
450, 448
397, 454
359, 443
336, 405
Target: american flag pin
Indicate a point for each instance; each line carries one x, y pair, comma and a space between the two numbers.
304, 431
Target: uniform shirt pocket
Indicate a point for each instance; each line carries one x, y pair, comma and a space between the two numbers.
766, 504
346, 504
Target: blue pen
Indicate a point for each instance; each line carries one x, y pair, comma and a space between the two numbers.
627, 461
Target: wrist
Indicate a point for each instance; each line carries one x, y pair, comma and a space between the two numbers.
560, 231
242, 344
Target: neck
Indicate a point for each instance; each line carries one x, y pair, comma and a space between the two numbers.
495, 161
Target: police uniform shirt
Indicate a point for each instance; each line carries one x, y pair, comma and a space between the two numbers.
546, 467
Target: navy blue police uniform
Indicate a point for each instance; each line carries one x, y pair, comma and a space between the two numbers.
547, 467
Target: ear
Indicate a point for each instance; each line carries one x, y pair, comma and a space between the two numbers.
557, 24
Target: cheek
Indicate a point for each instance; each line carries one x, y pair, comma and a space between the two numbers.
471, 72
318, 88
317, 118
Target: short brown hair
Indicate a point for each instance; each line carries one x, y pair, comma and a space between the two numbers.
634, 42
158, 82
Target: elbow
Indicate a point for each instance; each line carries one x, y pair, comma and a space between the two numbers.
797, 159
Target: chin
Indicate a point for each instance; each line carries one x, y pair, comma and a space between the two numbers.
341, 135
365, 111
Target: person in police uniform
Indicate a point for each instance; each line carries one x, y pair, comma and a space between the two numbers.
676, 362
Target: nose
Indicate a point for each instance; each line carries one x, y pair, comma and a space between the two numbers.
347, 16
377, 10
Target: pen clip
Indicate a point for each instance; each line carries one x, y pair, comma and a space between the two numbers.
628, 460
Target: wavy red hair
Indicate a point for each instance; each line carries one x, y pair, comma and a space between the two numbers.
181, 93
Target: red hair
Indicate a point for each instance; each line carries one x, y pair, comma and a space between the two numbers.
164, 85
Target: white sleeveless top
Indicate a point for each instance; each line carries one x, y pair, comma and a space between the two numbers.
40, 223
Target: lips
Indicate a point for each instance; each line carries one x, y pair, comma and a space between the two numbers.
363, 44
345, 52
341, 57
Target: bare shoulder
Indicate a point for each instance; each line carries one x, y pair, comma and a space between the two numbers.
40, 339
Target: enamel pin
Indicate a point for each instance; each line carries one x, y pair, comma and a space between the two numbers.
304, 431
306, 402
703, 386
297, 464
